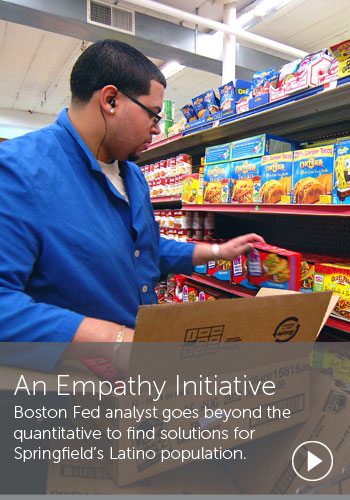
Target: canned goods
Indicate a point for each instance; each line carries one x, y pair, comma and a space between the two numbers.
197, 220
209, 221
184, 164
197, 234
163, 169
184, 234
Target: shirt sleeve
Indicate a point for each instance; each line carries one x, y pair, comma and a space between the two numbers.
175, 256
21, 318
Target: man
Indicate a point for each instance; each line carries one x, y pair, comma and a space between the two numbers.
80, 249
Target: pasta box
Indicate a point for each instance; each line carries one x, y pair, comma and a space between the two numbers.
273, 267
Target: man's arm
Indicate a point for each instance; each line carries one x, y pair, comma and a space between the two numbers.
228, 251
98, 330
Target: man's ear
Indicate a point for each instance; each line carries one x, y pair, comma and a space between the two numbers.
109, 98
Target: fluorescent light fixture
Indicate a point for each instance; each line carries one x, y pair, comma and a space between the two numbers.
170, 68
261, 9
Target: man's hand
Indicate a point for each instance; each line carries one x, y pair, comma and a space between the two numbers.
238, 246
229, 250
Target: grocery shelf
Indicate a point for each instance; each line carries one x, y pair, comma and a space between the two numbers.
168, 200
327, 210
221, 285
320, 115
338, 324
332, 322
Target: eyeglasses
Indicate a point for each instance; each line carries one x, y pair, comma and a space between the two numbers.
157, 118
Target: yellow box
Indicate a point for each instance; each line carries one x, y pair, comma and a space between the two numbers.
192, 191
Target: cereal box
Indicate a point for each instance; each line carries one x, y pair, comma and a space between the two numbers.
260, 145
227, 96
245, 179
276, 178
335, 277
217, 184
274, 267
313, 175
341, 178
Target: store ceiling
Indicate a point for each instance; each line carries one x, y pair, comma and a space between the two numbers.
35, 64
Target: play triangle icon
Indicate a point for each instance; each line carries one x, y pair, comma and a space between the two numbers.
312, 461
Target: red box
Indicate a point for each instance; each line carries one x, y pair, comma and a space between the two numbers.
273, 267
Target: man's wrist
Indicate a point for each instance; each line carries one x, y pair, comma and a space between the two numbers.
119, 338
215, 249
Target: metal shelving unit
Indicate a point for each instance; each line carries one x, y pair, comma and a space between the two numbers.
323, 114
315, 114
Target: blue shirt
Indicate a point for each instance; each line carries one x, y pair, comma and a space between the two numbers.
71, 246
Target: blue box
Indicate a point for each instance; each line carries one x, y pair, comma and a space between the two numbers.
260, 145
245, 179
217, 183
259, 100
218, 154
276, 178
242, 88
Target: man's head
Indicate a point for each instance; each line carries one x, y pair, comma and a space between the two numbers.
126, 88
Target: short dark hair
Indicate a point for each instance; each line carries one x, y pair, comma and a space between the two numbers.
111, 62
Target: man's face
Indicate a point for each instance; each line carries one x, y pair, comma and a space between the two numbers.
131, 130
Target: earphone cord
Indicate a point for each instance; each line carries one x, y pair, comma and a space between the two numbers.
104, 137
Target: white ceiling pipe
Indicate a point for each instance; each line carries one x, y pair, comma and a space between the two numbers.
216, 26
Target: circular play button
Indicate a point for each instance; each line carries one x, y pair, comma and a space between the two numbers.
312, 461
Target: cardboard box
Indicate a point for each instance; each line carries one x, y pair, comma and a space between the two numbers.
274, 474
245, 179
313, 175
276, 178
91, 478
341, 52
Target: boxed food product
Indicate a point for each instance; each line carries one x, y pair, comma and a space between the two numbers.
313, 175
183, 164
190, 292
190, 189
242, 89
307, 271
227, 96
335, 277
217, 184
342, 53
199, 106
245, 179
189, 113
273, 267
221, 270
301, 74
218, 154
260, 145
341, 178
212, 103
276, 178
240, 272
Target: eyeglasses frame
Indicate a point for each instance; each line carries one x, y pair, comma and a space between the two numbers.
150, 111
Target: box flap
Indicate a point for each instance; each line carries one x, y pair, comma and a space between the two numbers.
278, 318
264, 292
